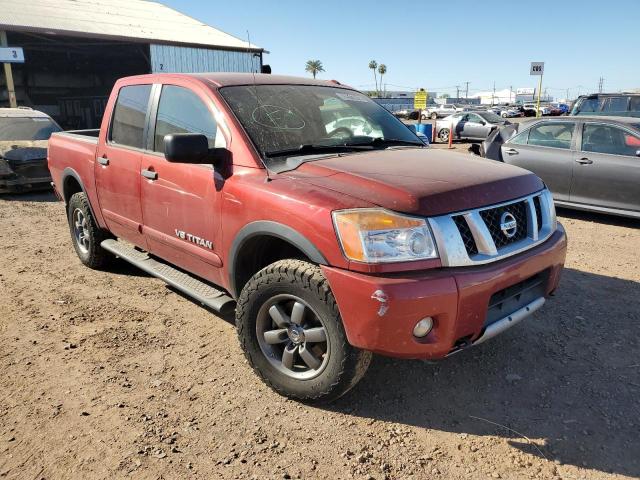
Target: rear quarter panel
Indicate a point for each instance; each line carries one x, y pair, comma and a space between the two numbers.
70, 155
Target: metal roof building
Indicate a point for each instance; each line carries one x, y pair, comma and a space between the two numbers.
74, 51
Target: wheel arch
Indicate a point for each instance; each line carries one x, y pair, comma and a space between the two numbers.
71, 183
249, 251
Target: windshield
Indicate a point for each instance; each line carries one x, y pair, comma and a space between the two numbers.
282, 119
27, 128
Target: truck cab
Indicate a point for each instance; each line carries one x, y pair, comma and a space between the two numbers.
316, 214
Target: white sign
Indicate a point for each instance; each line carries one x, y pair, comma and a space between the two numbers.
525, 91
537, 68
11, 55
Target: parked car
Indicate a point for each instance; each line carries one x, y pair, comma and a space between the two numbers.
588, 163
562, 107
618, 104
532, 108
440, 111
23, 149
331, 245
402, 113
468, 126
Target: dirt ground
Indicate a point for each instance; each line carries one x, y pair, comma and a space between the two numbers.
113, 375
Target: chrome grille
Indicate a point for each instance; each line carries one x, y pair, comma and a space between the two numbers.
476, 236
492, 218
467, 236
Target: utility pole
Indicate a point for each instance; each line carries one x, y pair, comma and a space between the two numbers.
493, 96
566, 97
600, 84
510, 92
466, 93
8, 73
457, 93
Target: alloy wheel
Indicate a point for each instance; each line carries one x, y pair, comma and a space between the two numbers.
292, 337
81, 230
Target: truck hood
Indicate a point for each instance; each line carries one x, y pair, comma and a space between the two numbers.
424, 182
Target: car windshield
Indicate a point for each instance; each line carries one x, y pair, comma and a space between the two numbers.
26, 128
491, 117
290, 120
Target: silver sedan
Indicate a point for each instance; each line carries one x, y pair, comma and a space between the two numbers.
468, 125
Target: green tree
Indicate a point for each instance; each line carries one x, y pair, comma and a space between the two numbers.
314, 67
382, 69
373, 65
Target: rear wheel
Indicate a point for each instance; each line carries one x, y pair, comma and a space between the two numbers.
443, 135
434, 116
85, 233
292, 334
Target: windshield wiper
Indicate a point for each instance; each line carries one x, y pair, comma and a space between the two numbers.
310, 149
386, 142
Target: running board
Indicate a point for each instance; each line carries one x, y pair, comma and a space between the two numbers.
191, 286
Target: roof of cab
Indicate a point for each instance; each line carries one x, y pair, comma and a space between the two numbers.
219, 80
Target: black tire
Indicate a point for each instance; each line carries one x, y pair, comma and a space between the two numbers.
434, 116
342, 365
443, 135
90, 252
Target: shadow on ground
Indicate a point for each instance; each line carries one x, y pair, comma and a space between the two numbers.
567, 378
43, 196
599, 218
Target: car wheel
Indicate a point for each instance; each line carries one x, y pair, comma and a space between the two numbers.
423, 117
443, 135
85, 233
434, 116
292, 335
504, 115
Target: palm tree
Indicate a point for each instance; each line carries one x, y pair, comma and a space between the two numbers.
373, 65
382, 69
314, 67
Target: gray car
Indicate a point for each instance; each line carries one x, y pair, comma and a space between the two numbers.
588, 163
468, 125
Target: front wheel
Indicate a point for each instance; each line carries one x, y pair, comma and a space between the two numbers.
434, 116
292, 335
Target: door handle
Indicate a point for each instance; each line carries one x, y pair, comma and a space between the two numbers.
512, 151
103, 161
150, 174
584, 161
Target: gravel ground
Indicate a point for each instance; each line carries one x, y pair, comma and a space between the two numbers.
111, 375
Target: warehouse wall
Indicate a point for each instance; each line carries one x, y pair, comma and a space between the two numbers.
172, 59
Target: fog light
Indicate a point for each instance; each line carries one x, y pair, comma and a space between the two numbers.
423, 327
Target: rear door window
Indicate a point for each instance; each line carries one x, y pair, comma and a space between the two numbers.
554, 135
129, 116
608, 139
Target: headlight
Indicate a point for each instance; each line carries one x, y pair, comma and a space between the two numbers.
378, 236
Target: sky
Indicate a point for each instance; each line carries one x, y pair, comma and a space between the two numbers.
438, 45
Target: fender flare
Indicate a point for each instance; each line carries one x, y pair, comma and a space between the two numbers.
272, 229
70, 172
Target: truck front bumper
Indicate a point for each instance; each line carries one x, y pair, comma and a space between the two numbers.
467, 305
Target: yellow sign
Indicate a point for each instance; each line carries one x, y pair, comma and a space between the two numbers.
420, 100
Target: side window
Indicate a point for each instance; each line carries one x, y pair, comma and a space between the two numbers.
475, 118
521, 138
181, 111
615, 104
555, 135
129, 114
608, 139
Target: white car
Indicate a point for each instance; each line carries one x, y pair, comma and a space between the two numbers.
358, 126
544, 110
440, 111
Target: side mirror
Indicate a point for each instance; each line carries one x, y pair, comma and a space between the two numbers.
192, 148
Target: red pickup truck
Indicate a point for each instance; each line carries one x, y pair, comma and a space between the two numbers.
333, 230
